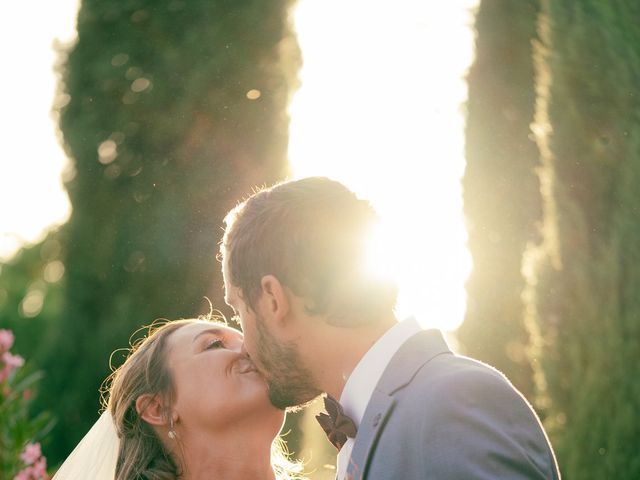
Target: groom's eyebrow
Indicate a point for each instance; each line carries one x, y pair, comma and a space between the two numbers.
214, 331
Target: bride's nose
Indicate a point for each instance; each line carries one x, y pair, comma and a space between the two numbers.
238, 348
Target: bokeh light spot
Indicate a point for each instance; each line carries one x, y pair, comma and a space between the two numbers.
133, 72
54, 271
107, 152
119, 59
140, 16
113, 171
140, 84
32, 303
253, 94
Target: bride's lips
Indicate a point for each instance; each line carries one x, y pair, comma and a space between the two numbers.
244, 365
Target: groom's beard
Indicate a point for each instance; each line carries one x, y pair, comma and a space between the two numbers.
290, 386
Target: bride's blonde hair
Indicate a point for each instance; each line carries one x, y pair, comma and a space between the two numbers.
142, 454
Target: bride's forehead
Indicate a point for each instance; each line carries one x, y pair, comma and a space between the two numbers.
192, 330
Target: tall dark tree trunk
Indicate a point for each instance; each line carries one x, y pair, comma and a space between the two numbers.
584, 277
501, 194
174, 111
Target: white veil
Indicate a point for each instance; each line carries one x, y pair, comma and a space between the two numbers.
96, 455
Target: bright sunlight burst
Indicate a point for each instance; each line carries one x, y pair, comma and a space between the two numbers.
380, 110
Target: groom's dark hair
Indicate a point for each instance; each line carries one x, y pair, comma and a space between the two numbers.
312, 234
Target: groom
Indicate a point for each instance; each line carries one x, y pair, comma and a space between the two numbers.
315, 321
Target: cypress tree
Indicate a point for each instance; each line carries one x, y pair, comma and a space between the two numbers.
501, 194
172, 111
583, 303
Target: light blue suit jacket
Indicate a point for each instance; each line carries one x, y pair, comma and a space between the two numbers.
437, 415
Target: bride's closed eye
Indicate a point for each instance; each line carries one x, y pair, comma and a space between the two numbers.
214, 343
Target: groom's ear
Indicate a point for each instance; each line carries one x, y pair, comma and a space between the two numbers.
151, 409
274, 300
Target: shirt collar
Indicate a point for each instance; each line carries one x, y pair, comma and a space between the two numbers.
364, 378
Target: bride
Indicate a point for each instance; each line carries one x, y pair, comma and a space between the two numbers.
187, 404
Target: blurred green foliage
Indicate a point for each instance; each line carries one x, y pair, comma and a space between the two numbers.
580, 308
171, 111
584, 278
502, 201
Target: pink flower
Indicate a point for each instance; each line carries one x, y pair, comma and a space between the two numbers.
4, 374
23, 474
6, 340
31, 453
39, 469
12, 361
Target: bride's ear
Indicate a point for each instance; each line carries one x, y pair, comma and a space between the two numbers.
151, 409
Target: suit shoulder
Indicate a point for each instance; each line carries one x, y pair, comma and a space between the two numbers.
452, 381
457, 404
459, 370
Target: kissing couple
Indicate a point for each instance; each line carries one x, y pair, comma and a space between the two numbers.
197, 399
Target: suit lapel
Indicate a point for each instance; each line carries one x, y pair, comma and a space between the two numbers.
378, 409
404, 365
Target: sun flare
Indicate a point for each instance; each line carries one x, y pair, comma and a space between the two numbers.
380, 110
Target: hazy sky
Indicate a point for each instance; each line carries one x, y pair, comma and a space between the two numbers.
31, 195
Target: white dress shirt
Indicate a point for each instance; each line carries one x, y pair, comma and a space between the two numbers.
364, 378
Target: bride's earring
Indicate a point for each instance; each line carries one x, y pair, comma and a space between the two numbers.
172, 433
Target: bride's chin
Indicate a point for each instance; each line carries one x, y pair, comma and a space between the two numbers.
270, 406
266, 400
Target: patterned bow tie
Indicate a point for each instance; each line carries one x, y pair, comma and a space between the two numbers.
335, 423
